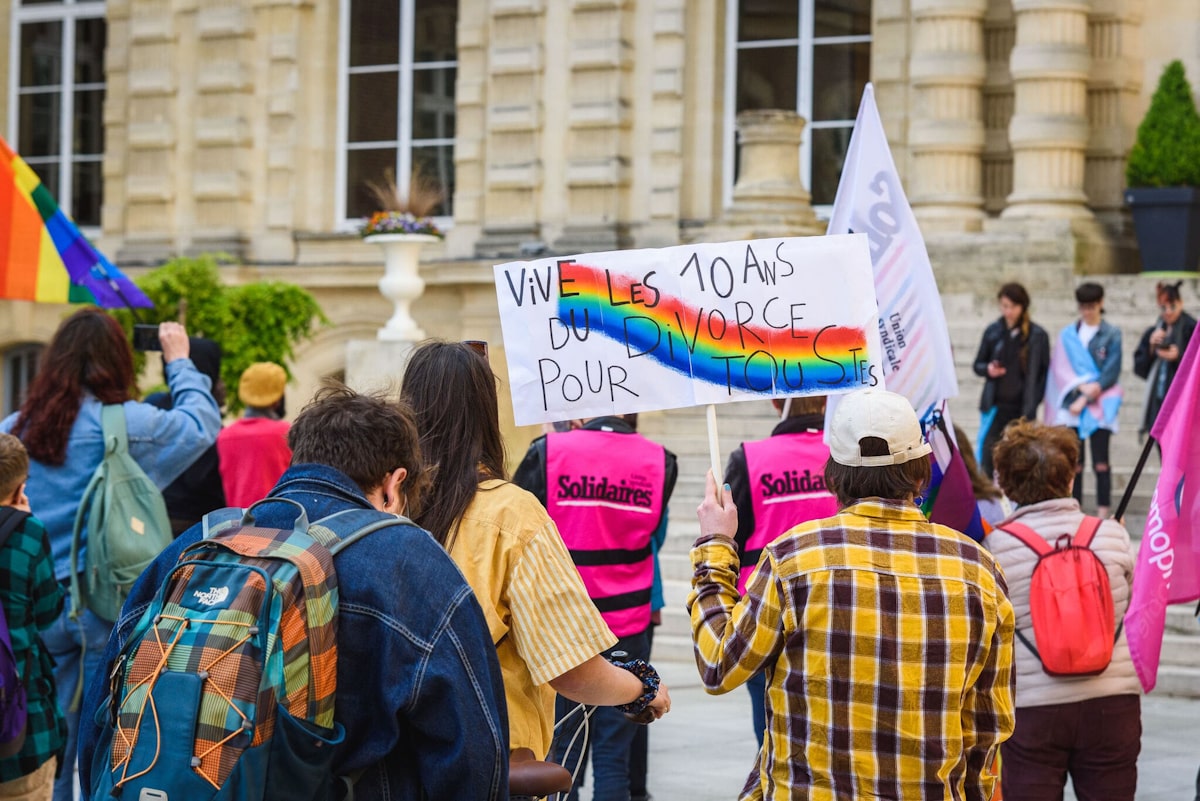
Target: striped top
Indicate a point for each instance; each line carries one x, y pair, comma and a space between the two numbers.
537, 609
887, 645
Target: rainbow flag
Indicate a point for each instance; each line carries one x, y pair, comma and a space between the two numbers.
43, 256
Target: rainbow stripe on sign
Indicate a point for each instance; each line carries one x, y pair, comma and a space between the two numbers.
43, 256
766, 351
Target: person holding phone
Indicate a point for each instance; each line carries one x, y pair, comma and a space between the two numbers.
1160, 349
88, 364
1013, 356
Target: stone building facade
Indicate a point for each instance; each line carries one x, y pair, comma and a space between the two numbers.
251, 127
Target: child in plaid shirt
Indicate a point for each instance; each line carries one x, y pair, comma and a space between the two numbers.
32, 600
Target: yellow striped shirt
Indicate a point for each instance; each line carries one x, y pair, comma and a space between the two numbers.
887, 645
538, 611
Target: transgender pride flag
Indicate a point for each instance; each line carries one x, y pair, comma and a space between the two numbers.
1071, 365
1168, 563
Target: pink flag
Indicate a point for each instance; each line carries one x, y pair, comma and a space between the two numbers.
1168, 565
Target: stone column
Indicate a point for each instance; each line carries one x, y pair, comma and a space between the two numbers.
470, 138
768, 198
946, 134
1114, 103
512, 181
660, 188
287, 91
1049, 129
144, 179
598, 123
999, 31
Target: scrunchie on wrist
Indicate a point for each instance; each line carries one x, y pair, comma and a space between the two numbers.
650, 681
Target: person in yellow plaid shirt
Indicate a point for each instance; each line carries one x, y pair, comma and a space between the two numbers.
886, 640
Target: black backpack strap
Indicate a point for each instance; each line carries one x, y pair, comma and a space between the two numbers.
1029, 644
10, 520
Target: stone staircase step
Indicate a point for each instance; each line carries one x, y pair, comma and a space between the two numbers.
1179, 681
1180, 650
672, 647
1181, 619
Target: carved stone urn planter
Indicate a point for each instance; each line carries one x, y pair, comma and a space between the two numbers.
401, 282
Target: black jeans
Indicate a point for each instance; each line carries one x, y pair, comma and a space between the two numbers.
1099, 439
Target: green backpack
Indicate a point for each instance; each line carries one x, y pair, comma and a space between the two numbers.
126, 521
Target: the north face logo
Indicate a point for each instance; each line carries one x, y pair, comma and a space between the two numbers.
214, 596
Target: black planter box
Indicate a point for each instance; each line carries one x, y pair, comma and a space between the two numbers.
1167, 222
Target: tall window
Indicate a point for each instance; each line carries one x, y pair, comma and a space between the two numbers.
56, 113
399, 64
813, 56
20, 366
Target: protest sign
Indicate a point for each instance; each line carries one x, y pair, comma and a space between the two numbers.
637, 330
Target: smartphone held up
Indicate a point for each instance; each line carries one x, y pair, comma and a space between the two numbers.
145, 337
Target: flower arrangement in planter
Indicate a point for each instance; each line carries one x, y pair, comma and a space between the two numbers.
1163, 176
404, 214
402, 226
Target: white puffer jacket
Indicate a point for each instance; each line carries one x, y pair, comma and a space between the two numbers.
1051, 519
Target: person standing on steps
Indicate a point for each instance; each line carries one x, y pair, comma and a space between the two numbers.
1013, 357
1083, 390
1160, 349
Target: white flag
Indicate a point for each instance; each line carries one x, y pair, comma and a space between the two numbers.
917, 361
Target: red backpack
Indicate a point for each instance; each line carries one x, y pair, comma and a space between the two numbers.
1070, 601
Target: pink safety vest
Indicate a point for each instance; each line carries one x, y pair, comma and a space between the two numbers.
604, 492
787, 488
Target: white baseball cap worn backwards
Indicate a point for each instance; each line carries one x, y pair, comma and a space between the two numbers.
875, 413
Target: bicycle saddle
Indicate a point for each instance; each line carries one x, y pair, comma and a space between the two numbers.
532, 777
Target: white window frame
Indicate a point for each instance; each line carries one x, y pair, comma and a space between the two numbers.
68, 12
804, 43
405, 143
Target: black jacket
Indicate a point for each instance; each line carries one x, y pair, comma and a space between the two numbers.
531, 473
1035, 371
737, 476
1145, 357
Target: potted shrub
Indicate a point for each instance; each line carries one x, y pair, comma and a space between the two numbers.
401, 227
1163, 176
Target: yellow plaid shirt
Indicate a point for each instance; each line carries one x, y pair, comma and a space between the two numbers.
887, 645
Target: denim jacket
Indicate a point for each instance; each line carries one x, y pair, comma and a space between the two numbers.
419, 690
164, 443
1105, 349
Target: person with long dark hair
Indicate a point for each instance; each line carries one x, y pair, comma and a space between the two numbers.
1160, 349
87, 365
548, 634
1013, 356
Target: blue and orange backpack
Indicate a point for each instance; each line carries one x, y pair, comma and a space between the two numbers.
225, 687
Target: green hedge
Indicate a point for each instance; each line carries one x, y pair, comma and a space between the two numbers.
1167, 149
255, 322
